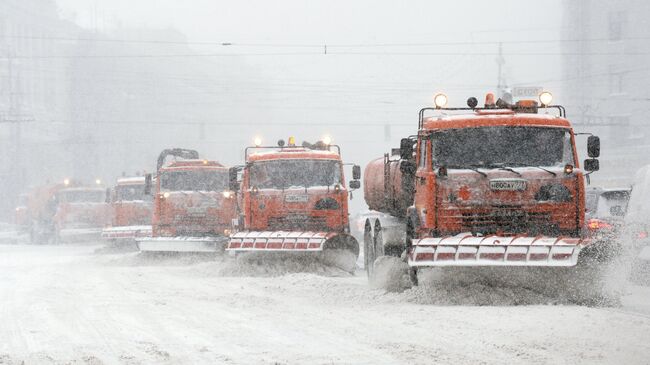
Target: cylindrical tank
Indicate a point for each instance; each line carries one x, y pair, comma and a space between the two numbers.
393, 196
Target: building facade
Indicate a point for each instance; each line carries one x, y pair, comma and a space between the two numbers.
606, 51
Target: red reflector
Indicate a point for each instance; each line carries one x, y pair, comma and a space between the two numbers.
261, 244
289, 246
235, 244
247, 244
424, 256
277, 244
538, 256
301, 245
516, 257
446, 256
596, 224
467, 256
314, 245
561, 256
492, 256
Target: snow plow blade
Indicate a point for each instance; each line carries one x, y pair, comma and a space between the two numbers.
181, 244
300, 242
76, 235
468, 250
126, 232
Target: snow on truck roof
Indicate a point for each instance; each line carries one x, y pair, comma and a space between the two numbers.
136, 180
193, 164
293, 153
494, 118
83, 189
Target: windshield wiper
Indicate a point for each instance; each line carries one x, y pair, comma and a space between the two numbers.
500, 166
535, 166
467, 167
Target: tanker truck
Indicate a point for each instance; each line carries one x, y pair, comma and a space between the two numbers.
295, 202
498, 185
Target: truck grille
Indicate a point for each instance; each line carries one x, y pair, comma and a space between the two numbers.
508, 220
297, 222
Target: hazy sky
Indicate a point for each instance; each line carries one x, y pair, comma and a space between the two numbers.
368, 24
385, 58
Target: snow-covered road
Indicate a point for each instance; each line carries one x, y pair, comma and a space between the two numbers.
70, 304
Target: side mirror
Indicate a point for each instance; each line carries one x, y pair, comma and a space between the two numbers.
355, 184
232, 179
356, 172
406, 149
593, 146
592, 164
147, 184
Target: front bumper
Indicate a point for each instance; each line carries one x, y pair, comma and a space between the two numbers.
126, 232
79, 234
467, 250
181, 244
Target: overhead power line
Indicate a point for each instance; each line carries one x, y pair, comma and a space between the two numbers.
330, 53
319, 45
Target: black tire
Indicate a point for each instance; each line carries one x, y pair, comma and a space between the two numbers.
410, 234
378, 240
413, 275
368, 249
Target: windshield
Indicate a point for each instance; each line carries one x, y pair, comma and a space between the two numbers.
197, 180
82, 196
284, 174
510, 146
130, 192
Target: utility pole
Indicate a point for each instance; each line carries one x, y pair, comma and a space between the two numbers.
14, 118
502, 85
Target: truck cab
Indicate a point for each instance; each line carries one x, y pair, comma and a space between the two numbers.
193, 208
499, 185
81, 213
295, 199
131, 210
192, 199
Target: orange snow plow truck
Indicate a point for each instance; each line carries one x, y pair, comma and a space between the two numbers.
294, 201
130, 211
67, 212
193, 209
498, 185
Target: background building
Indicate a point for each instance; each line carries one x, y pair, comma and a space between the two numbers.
606, 56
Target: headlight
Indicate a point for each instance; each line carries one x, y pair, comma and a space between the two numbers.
553, 193
327, 204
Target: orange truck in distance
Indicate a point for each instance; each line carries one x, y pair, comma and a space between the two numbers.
82, 213
193, 208
66, 211
499, 185
130, 211
295, 201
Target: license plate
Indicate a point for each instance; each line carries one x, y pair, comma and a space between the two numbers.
296, 198
508, 184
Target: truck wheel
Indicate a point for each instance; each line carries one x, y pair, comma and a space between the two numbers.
410, 233
368, 249
378, 240
413, 276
